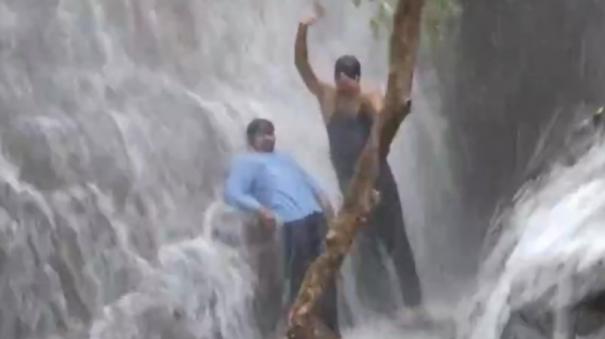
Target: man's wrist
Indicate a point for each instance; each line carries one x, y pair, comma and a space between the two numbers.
261, 210
303, 26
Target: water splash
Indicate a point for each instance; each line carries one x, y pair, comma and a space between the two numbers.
547, 257
117, 121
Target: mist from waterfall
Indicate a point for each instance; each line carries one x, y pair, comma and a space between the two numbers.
118, 119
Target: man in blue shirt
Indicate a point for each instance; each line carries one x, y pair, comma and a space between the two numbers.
274, 187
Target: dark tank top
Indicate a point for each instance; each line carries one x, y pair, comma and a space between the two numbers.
347, 135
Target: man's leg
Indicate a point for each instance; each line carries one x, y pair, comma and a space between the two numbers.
394, 237
405, 266
306, 240
295, 257
373, 286
263, 255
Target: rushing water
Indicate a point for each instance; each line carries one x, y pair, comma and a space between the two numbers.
118, 119
117, 122
546, 258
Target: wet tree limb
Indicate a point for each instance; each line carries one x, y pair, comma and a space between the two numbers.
358, 201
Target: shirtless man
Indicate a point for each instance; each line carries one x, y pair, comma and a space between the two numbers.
348, 114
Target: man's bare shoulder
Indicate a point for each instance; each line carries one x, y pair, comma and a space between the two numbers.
327, 90
373, 94
375, 99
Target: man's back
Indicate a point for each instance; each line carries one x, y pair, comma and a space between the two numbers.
275, 181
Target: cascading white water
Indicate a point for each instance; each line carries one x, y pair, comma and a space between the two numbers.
117, 121
548, 254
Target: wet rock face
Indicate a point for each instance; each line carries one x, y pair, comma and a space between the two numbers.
586, 319
263, 252
52, 263
589, 315
514, 88
117, 120
85, 201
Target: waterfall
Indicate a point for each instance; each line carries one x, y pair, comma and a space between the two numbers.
118, 119
547, 258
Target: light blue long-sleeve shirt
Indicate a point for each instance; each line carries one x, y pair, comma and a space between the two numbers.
273, 181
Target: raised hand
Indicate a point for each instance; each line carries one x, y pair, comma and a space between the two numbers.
318, 12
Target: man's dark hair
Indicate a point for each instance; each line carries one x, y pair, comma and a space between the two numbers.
257, 126
349, 65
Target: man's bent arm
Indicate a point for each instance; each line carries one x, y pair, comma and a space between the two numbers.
301, 59
237, 188
318, 191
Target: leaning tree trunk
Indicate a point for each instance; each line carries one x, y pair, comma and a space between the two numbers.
358, 201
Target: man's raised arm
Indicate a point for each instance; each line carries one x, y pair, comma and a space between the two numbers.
301, 58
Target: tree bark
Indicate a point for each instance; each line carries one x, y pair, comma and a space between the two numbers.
358, 201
